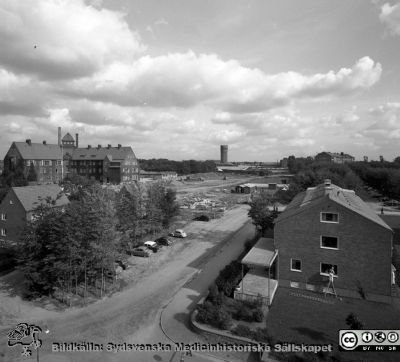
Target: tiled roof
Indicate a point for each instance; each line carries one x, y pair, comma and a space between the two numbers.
31, 196
68, 138
315, 195
38, 151
101, 153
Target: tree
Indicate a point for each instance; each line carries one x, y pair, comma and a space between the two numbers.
263, 217
169, 206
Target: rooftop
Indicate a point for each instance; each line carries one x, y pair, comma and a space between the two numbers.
344, 197
38, 151
262, 254
96, 153
68, 138
32, 196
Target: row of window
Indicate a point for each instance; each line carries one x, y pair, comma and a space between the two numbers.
3, 232
3, 217
88, 163
325, 268
43, 162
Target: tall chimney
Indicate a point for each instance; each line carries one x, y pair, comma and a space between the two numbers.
119, 146
59, 136
29, 142
44, 142
77, 139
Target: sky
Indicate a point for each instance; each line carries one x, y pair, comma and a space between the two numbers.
177, 78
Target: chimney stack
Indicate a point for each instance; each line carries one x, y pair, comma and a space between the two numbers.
108, 146
98, 146
44, 142
29, 142
59, 136
119, 146
77, 139
89, 147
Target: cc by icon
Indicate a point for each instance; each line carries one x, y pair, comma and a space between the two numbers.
348, 340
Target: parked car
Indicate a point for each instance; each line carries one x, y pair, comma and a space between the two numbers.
202, 218
163, 241
122, 263
141, 252
178, 233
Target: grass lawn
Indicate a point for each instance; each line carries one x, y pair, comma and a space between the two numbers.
298, 319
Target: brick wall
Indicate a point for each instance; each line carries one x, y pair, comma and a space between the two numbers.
16, 218
363, 257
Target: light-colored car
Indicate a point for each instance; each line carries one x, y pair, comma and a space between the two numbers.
179, 233
141, 252
150, 243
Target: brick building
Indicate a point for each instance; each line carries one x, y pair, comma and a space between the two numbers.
105, 164
329, 227
41, 159
17, 206
51, 163
334, 157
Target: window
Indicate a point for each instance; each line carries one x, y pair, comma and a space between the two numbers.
329, 242
332, 217
46, 162
4, 217
3, 232
326, 268
310, 287
295, 265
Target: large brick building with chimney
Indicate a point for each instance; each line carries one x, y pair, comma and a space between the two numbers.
51, 163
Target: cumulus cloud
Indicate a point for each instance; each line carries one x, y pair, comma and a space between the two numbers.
386, 121
188, 79
63, 39
390, 16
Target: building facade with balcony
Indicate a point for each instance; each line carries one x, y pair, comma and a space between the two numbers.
327, 228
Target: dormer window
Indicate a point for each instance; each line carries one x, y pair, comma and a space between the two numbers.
332, 217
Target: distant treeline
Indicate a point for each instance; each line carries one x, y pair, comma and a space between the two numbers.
382, 176
180, 167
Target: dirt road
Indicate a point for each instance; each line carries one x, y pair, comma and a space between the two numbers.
132, 314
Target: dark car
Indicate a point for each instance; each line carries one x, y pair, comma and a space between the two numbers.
163, 241
122, 263
202, 218
141, 252
154, 248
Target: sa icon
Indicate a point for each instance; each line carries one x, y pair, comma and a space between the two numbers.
392, 337
367, 337
348, 340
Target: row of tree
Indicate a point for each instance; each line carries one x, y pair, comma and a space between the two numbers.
75, 247
180, 167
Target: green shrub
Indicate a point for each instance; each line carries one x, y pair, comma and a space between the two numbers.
258, 315
353, 322
244, 314
242, 331
207, 313
224, 319
261, 335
